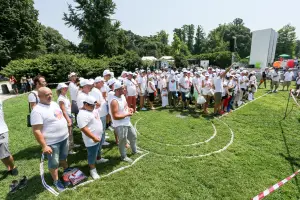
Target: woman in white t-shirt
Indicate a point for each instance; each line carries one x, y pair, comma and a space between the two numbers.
91, 128
131, 89
151, 90
207, 91
65, 105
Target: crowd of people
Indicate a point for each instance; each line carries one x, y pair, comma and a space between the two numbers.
108, 102
25, 82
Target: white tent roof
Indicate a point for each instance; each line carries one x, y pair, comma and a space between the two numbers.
152, 58
167, 58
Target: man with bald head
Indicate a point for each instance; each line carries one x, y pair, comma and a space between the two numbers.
50, 129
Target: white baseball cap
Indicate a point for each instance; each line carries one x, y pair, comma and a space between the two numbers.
110, 82
72, 74
84, 82
207, 74
98, 79
124, 72
106, 72
90, 100
61, 85
118, 85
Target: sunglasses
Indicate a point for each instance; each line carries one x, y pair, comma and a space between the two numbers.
90, 104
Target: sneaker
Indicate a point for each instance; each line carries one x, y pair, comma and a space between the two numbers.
102, 160
14, 172
105, 143
13, 187
126, 159
144, 109
23, 182
111, 128
76, 145
94, 174
138, 152
59, 186
136, 111
72, 152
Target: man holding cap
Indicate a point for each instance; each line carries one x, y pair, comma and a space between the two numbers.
121, 119
91, 128
50, 129
86, 88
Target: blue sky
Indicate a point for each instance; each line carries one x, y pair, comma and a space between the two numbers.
147, 17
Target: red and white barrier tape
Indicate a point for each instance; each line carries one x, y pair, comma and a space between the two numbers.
274, 187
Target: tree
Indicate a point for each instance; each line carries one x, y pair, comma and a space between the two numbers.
200, 41
163, 37
297, 50
20, 31
190, 37
216, 42
92, 19
286, 40
179, 47
54, 41
180, 33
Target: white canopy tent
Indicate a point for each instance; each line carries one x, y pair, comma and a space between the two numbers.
151, 58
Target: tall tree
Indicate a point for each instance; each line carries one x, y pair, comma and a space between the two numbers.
20, 31
163, 37
200, 41
190, 37
297, 50
92, 19
179, 33
286, 40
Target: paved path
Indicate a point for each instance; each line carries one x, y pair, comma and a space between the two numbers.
3, 97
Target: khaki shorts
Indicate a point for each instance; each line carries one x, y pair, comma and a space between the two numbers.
4, 152
287, 83
218, 97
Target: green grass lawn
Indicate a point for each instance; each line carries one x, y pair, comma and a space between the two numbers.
263, 152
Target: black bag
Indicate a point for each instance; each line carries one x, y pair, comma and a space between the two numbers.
29, 110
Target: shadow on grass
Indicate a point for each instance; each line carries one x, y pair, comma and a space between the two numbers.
32, 190
33, 152
289, 158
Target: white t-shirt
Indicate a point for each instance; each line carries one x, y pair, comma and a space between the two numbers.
207, 85
73, 91
143, 82
94, 124
197, 82
67, 103
3, 126
275, 76
288, 76
80, 98
32, 98
172, 86
243, 82
218, 83
123, 108
97, 94
131, 87
55, 127
149, 89
184, 81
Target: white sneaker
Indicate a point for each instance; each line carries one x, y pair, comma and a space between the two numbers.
111, 129
94, 174
102, 160
136, 111
138, 152
105, 143
144, 109
76, 145
72, 152
126, 159
106, 137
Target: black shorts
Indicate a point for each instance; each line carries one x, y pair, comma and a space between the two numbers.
74, 107
151, 96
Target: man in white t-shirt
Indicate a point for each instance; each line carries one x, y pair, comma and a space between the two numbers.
33, 99
73, 89
288, 77
86, 88
50, 129
184, 88
91, 128
121, 119
101, 108
5, 155
142, 83
275, 76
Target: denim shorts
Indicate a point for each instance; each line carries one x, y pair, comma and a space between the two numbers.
93, 152
59, 152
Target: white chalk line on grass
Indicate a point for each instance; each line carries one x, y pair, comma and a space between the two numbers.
244, 105
200, 155
178, 145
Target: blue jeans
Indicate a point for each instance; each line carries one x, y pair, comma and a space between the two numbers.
93, 152
59, 152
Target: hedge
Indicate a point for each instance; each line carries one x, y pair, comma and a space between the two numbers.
56, 67
221, 59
